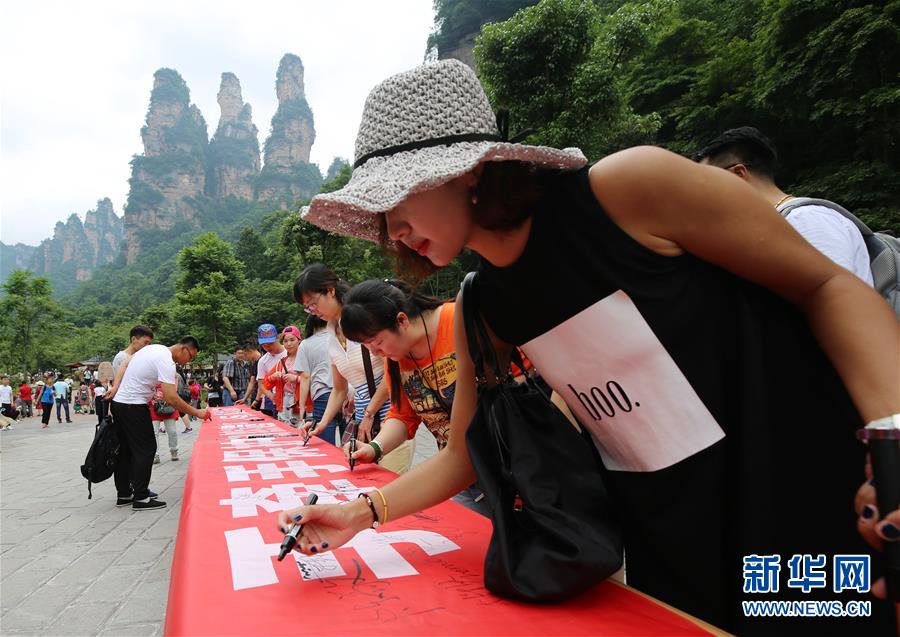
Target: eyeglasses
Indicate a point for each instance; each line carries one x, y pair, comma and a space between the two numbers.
312, 307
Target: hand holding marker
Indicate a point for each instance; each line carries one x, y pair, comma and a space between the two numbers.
290, 538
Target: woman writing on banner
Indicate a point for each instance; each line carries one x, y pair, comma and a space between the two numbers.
313, 368
322, 294
414, 333
283, 379
746, 359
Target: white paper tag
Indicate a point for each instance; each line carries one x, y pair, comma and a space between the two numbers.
622, 384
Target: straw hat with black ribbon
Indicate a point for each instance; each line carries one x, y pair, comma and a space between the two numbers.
419, 130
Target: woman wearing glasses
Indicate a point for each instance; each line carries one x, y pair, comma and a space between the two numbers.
322, 294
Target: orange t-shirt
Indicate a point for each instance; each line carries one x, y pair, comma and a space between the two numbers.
418, 398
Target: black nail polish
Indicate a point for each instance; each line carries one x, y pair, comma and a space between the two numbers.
890, 531
298, 517
313, 549
868, 512
324, 545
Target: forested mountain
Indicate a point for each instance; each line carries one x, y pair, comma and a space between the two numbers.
819, 77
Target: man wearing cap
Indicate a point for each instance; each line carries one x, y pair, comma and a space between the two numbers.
267, 335
235, 376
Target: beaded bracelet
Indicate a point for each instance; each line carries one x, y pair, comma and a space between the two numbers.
371, 508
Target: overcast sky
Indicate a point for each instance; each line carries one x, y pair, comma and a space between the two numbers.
76, 80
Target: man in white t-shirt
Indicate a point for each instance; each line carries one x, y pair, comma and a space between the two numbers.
149, 366
139, 336
750, 155
6, 398
267, 335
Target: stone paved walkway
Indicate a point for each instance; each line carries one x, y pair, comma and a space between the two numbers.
64, 569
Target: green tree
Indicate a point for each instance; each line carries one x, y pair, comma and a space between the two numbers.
210, 312
207, 255
210, 288
251, 251
554, 67
29, 319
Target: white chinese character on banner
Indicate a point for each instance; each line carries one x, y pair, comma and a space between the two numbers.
252, 563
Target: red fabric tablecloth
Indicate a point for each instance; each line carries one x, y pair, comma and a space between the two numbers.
420, 575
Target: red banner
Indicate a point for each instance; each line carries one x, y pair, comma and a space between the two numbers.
420, 575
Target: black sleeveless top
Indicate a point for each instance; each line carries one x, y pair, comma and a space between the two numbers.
724, 430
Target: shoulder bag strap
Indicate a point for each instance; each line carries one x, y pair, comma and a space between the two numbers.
798, 202
370, 381
481, 349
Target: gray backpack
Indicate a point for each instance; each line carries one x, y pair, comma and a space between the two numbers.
884, 249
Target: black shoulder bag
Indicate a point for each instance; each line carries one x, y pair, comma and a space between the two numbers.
555, 530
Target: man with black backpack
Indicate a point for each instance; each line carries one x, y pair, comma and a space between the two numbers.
750, 155
151, 365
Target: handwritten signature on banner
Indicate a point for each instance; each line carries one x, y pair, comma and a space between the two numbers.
250, 556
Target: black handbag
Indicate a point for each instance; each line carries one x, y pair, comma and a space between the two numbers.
556, 533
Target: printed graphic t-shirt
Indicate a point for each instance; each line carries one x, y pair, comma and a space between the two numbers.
425, 385
701, 391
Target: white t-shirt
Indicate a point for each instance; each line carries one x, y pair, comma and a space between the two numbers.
6, 394
349, 361
312, 358
151, 365
835, 236
99, 391
266, 362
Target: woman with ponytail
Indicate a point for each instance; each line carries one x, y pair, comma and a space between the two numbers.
322, 294
414, 333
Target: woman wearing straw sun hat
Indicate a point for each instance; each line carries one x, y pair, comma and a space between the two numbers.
670, 279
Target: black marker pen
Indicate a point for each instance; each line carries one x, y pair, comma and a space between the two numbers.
352, 451
312, 424
290, 538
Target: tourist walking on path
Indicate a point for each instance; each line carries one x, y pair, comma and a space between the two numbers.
46, 398
27, 399
61, 388
38, 389
6, 399
100, 405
